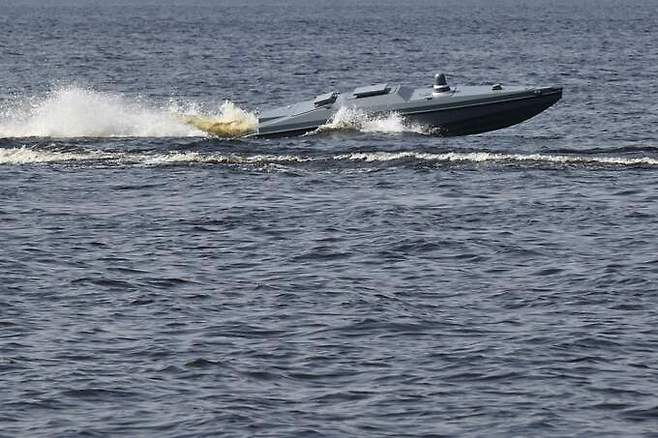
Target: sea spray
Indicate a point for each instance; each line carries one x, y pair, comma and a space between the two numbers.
231, 121
72, 111
348, 118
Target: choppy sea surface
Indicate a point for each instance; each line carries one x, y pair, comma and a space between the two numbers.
369, 279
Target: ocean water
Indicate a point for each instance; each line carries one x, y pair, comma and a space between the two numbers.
369, 279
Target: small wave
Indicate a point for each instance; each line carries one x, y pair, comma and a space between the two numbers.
29, 155
355, 119
71, 112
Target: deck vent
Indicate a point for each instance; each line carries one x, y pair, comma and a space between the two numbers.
371, 90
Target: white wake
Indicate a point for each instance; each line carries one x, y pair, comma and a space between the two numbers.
29, 155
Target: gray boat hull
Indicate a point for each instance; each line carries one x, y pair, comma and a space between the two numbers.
491, 116
441, 109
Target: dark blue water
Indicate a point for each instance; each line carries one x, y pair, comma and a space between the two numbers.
373, 281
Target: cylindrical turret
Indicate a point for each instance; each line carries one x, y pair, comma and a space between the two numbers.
440, 83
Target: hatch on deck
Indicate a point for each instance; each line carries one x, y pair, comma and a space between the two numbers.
371, 90
325, 99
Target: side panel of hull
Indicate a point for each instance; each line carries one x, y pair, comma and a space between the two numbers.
483, 118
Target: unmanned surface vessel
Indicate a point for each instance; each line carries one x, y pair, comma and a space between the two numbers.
447, 110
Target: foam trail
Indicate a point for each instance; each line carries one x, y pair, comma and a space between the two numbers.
26, 155
77, 112
481, 157
182, 158
356, 119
